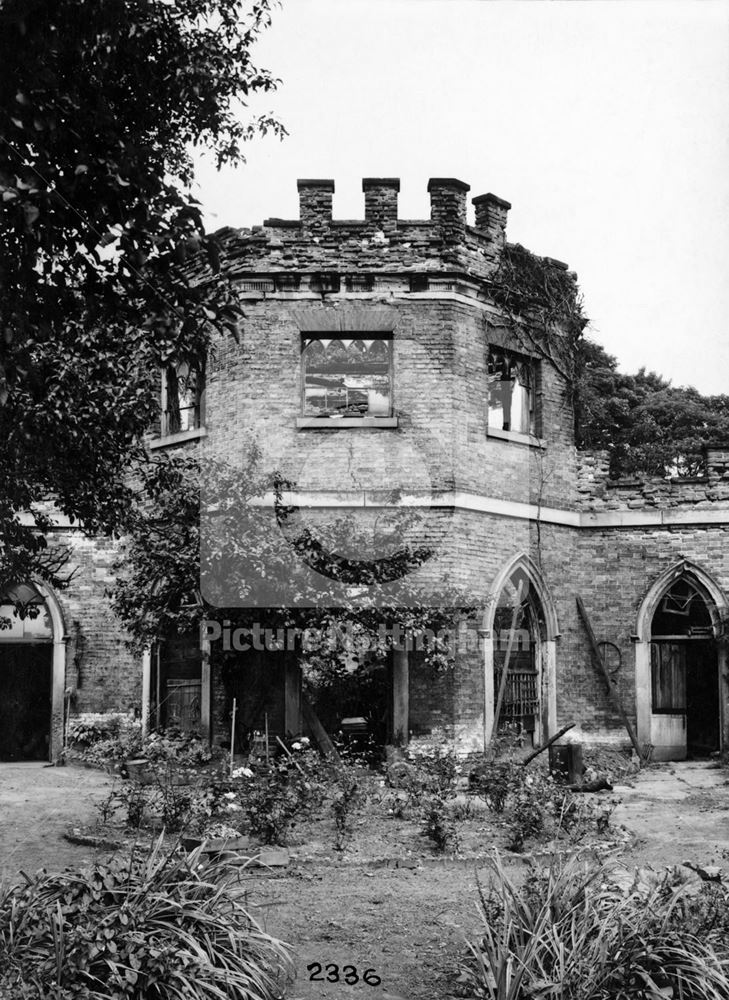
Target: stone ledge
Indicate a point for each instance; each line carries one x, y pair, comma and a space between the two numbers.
180, 438
528, 439
339, 423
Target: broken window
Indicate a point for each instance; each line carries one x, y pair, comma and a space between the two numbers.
347, 377
511, 384
182, 389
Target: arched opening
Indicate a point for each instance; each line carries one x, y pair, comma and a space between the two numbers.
520, 654
680, 666
26, 674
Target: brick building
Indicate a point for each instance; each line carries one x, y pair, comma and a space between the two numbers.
378, 369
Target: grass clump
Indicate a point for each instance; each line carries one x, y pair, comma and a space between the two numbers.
573, 932
160, 927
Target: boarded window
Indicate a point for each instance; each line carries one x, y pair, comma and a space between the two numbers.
668, 669
347, 377
511, 384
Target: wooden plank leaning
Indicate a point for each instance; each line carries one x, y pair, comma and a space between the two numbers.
611, 686
505, 671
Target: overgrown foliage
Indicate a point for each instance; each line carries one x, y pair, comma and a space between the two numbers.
153, 928
575, 931
101, 105
543, 306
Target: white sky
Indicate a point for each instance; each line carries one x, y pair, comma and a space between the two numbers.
604, 123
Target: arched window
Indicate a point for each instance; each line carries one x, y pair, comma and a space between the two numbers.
518, 632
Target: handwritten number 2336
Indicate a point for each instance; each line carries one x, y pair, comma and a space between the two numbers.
350, 976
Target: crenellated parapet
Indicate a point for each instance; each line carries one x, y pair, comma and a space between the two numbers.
378, 244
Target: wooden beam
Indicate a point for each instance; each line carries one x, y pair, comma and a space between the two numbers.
550, 741
400, 698
509, 646
321, 737
610, 684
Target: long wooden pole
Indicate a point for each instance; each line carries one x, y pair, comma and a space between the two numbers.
547, 745
610, 683
509, 646
232, 734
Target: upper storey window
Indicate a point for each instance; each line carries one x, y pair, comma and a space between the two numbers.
182, 392
347, 377
512, 381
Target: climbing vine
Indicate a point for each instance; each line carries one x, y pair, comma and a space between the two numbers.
543, 308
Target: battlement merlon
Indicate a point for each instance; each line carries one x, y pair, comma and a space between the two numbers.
380, 242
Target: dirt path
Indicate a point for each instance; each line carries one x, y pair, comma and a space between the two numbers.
406, 925
37, 804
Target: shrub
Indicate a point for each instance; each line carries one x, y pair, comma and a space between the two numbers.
437, 769
272, 799
154, 928
348, 796
439, 823
493, 780
571, 932
526, 816
102, 744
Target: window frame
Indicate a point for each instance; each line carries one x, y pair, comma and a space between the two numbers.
167, 433
533, 434
334, 421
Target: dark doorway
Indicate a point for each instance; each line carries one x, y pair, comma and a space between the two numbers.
25, 701
702, 699
266, 686
685, 672
357, 691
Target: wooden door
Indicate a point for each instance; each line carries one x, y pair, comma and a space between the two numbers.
668, 700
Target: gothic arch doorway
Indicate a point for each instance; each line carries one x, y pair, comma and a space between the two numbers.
32, 673
680, 666
520, 629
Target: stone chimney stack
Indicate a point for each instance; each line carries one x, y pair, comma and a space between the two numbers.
448, 205
381, 202
315, 203
491, 213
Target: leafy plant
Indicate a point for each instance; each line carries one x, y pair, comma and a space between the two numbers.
439, 823
274, 798
526, 818
155, 928
571, 932
348, 796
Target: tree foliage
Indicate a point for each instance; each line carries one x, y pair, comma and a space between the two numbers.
176, 568
101, 106
648, 426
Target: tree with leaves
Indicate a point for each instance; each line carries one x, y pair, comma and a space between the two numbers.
101, 108
647, 426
